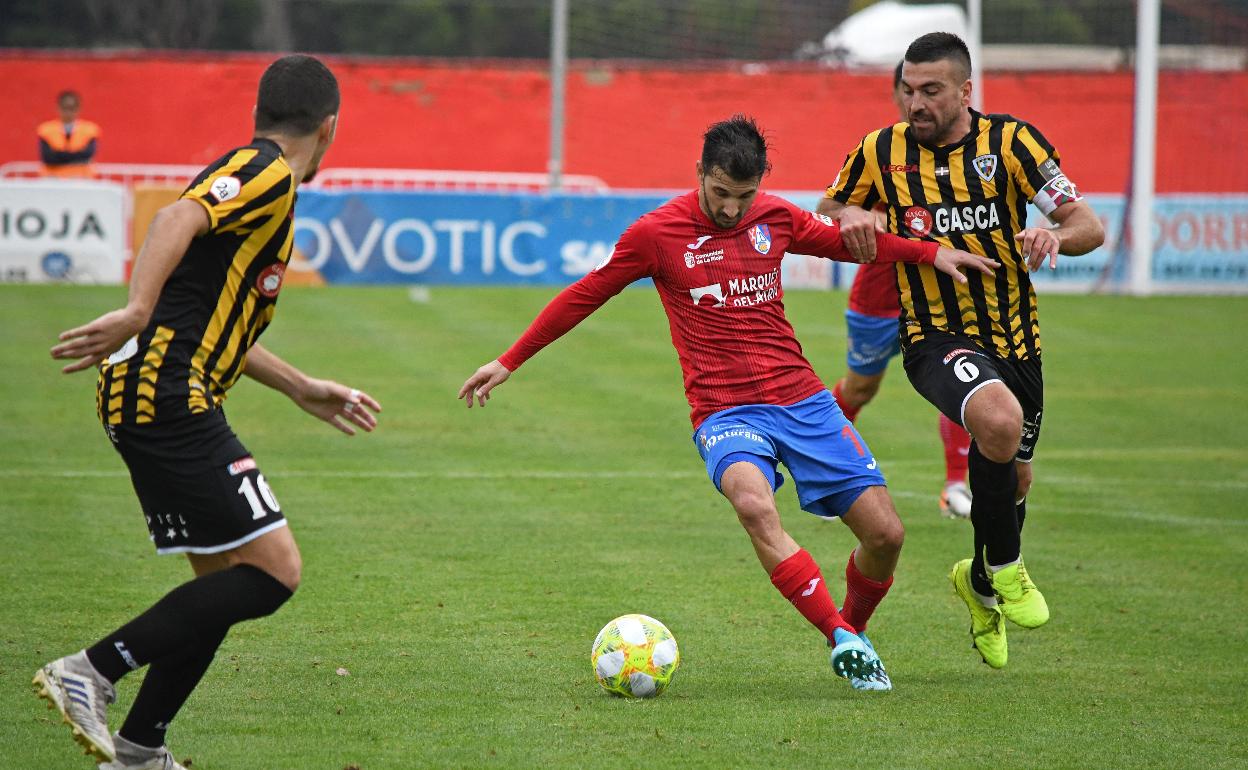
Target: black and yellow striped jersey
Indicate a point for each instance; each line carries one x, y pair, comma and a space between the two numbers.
970, 195
218, 300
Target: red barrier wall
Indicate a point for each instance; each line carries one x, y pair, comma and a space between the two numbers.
636, 126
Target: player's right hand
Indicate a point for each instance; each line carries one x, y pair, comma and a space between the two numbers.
483, 381
858, 229
94, 342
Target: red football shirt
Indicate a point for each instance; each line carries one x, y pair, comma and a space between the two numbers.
722, 294
874, 291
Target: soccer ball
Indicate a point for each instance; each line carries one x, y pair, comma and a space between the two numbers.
635, 656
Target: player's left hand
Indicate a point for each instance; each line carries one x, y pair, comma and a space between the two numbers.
949, 260
92, 343
482, 381
1038, 243
338, 405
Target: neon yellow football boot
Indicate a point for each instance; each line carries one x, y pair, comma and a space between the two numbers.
1018, 597
987, 623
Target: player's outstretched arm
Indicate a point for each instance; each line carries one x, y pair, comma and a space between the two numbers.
341, 406
949, 261
483, 381
170, 234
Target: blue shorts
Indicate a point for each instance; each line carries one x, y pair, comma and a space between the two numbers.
871, 342
829, 461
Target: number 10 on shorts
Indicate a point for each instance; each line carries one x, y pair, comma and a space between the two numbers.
262, 502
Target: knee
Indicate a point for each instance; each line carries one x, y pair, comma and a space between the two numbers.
885, 539
755, 510
287, 570
998, 434
292, 573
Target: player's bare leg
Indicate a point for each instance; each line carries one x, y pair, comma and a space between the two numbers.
795, 574
874, 521
755, 503
275, 552
854, 391
995, 418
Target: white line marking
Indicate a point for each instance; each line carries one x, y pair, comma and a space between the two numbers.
1132, 515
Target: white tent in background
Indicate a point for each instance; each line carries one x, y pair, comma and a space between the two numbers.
877, 36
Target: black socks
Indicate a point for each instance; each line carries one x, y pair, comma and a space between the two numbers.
190, 613
993, 515
179, 636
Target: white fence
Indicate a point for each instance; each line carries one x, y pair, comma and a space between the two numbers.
339, 178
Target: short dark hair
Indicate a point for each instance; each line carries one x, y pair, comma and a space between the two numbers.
68, 94
736, 146
297, 92
937, 46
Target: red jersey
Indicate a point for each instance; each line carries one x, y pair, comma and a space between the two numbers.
722, 294
874, 291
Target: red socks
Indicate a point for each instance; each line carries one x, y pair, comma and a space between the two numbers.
957, 444
850, 414
799, 580
862, 595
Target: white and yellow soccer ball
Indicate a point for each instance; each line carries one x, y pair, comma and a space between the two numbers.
635, 656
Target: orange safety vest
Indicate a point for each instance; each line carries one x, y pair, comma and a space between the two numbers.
53, 133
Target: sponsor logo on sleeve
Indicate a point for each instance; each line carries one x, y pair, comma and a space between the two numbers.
270, 280
824, 218
223, 188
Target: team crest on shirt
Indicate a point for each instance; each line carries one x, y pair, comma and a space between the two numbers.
985, 166
760, 236
270, 280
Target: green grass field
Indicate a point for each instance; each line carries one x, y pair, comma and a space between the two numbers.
458, 564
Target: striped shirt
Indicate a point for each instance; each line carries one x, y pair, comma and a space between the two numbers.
970, 195
218, 300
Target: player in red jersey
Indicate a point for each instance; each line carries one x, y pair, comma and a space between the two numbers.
873, 341
714, 255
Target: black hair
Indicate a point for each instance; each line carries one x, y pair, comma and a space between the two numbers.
937, 46
68, 94
735, 146
897, 74
296, 94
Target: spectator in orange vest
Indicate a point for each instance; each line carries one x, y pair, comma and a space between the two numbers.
67, 145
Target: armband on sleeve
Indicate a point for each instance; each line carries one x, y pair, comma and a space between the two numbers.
1056, 190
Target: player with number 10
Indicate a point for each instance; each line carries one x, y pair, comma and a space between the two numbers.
204, 288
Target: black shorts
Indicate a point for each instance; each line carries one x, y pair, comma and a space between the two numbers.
947, 369
199, 486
